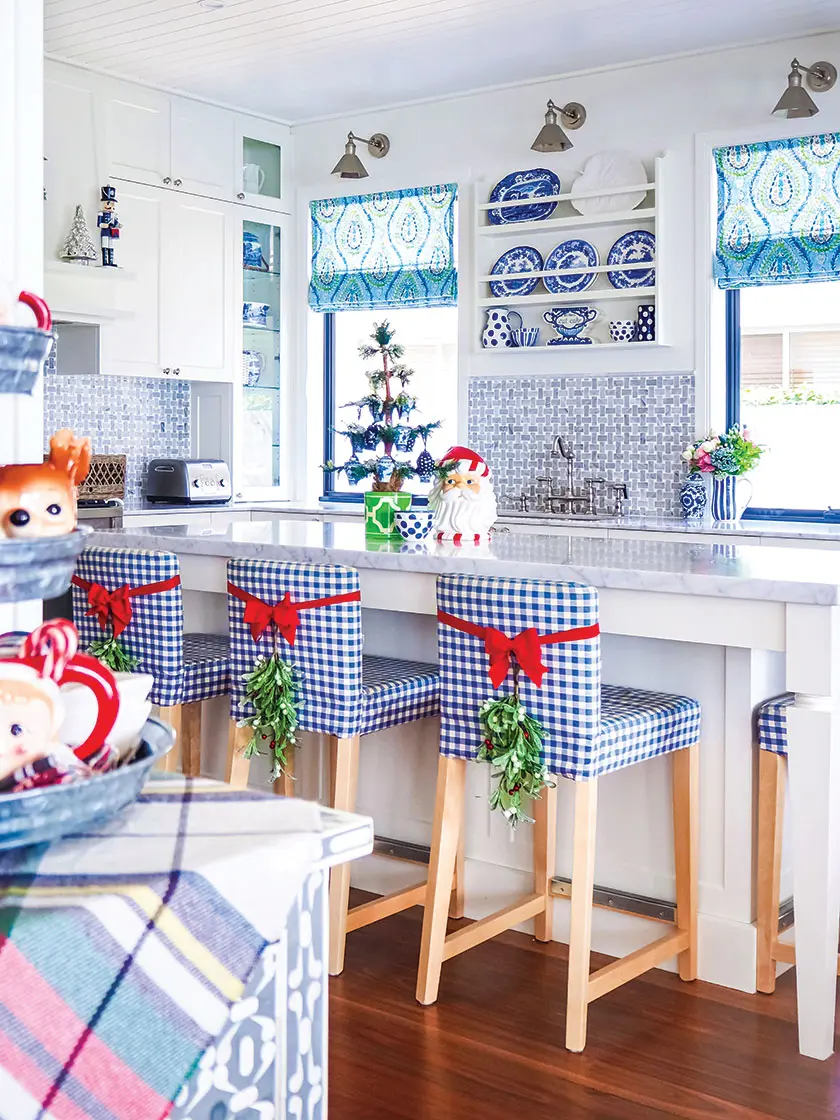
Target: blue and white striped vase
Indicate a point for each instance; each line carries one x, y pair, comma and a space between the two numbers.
730, 497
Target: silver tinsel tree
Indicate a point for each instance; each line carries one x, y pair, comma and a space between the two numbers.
78, 244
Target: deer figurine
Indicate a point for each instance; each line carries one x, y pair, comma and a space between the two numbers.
39, 499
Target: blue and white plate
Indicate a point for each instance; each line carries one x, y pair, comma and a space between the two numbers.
568, 255
539, 182
522, 258
638, 245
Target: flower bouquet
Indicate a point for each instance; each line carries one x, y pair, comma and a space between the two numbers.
726, 458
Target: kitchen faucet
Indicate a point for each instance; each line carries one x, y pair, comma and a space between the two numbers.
561, 450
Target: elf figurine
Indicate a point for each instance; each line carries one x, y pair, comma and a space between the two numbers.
109, 226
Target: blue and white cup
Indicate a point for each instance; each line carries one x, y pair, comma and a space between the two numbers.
622, 330
525, 336
413, 524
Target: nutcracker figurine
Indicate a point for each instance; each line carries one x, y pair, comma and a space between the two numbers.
109, 226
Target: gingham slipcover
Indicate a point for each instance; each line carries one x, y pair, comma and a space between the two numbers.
591, 728
186, 667
772, 724
343, 693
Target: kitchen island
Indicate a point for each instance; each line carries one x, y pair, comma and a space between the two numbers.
729, 624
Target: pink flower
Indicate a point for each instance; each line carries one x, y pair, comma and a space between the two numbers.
704, 462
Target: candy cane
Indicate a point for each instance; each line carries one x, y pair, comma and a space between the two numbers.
57, 641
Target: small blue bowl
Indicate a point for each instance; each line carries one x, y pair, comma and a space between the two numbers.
413, 524
525, 336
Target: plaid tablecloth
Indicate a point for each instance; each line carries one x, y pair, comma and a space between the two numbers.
122, 950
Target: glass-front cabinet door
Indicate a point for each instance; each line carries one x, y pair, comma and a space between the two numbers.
261, 151
262, 415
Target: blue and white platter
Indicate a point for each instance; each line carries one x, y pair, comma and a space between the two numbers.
638, 245
569, 254
522, 258
539, 182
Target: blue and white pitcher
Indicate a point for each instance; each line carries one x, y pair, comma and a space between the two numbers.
730, 497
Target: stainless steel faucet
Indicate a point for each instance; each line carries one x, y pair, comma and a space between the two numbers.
562, 450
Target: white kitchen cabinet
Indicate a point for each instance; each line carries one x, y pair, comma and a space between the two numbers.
179, 254
261, 157
197, 315
200, 143
72, 151
137, 131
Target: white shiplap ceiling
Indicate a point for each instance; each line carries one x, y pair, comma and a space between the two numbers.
302, 59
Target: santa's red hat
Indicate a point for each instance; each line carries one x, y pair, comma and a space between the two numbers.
464, 455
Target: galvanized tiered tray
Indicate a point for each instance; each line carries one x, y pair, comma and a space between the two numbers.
38, 567
39, 815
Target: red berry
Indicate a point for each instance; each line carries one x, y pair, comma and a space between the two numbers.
515, 789
487, 743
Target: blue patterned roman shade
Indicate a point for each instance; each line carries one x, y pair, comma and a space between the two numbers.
778, 212
395, 249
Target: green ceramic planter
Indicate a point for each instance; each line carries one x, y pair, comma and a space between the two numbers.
379, 512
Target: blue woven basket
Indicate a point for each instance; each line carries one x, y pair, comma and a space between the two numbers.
37, 815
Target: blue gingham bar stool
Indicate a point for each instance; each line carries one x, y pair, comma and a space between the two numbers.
772, 778
316, 612
135, 595
591, 729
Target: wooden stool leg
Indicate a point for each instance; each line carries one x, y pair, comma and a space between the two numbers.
344, 797
686, 798
580, 938
545, 854
191, 740
285, 786
448, 825
456, 900
771, 808
172, 716
238, 767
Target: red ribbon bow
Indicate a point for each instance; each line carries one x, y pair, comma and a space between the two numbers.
110, 606
284, 615
115, 606
525, 646
259, 616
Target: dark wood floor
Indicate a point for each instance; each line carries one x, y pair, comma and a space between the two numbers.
492, 1047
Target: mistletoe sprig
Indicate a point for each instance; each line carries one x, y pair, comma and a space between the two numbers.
513, 744
272, 687
113, 655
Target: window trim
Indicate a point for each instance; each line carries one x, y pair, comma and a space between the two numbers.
733, 415
329, 493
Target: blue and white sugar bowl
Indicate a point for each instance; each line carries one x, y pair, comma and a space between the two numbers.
414, 524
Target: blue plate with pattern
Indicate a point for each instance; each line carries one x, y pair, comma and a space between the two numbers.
522, 258
638, 245
539, 182
569, 254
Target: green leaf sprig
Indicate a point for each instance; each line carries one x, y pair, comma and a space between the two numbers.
113, 655
272, 687
513, 744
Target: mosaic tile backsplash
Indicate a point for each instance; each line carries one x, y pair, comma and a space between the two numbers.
142, 418
624, 429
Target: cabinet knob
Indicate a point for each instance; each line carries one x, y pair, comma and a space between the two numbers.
166, 371
241, 195
177, 182
177, 372
166, 180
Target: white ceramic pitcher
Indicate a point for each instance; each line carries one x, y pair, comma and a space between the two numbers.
253, 178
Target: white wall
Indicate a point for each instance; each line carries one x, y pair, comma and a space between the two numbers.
21, 205
679, 107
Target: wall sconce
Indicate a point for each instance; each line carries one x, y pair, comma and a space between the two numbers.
551, 137
350, 166
796, 101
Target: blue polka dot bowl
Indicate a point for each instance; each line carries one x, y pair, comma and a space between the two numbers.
413, 524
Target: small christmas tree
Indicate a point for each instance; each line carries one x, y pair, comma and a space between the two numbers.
78, 244
389, 405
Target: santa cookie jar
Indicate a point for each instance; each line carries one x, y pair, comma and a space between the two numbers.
462, 498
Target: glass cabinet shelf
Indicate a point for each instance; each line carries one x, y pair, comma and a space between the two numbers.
262, 353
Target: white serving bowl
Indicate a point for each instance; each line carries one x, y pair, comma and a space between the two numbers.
80, 712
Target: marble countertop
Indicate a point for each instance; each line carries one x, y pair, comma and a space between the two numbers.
734, 571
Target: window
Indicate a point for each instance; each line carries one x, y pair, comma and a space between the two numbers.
388, 256
788, 393
778, 257
430, 338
